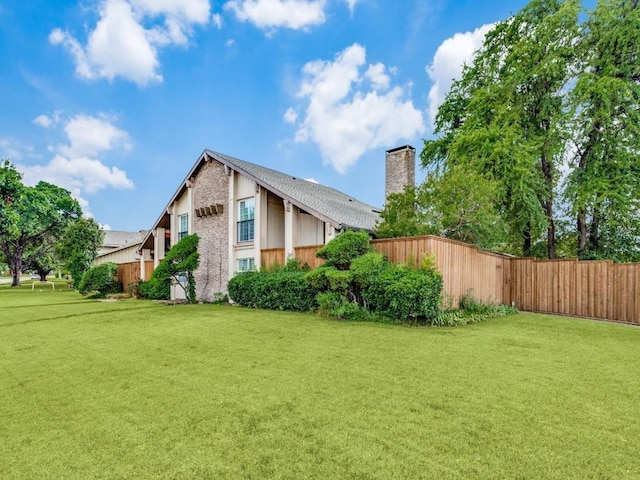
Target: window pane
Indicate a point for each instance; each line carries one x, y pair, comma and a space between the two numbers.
245, 231
246, 265
183, 230
247, 209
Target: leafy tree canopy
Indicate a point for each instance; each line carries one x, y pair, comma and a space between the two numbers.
78, 246
31, 218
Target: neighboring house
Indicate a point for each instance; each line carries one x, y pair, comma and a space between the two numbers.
120, 247
240, 209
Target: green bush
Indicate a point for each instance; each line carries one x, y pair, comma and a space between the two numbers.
343, 249
156, 288
336, 305
100, 279
402, 293
366, 268
472, 310
277, 290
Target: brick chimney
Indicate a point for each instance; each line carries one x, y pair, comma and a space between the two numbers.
400, 169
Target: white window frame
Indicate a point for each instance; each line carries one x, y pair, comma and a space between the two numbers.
246, 264
183, 233
246, 220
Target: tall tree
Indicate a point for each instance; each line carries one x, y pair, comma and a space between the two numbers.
456, 204
603, 189
503, 118
78, 246
30, 216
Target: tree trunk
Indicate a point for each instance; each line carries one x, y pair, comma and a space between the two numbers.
15, 262
551, 239
526, 240
547, 205
582, 232
594, 234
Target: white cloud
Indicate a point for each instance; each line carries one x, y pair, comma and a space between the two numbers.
346, 116
43, 121
10, 149
90, 135
269, 14
376, 74
352, 4
290, 116
75, 167
312, 180
230, 43
105, 226
448, 61
80, 174
121, 46
217, 20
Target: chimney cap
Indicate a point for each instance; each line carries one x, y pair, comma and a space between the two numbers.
404, 147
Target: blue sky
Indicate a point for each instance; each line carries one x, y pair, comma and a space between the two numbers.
116, 99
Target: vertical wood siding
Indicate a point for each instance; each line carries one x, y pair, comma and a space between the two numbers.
130, 272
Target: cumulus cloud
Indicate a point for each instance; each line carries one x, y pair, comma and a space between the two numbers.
121, 45
270, 14
348, 112
75, 166
90, 135
448, 61
79, 174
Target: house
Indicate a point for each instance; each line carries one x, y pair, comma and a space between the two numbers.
240, 210
120, 246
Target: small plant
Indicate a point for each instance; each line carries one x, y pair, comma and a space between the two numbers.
472, 310
220, 298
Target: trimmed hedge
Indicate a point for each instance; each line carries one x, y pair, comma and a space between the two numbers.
343, 249
100, 279
277, 290
402, 293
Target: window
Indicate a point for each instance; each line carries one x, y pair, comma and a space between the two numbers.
246, 212
246, 265
183, 231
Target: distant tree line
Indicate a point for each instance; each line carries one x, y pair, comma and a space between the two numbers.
537, 148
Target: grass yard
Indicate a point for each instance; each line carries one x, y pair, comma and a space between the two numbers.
138, 390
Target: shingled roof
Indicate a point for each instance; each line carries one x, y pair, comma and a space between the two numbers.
327, 203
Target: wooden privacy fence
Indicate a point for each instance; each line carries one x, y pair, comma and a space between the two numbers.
597, 289
130, 272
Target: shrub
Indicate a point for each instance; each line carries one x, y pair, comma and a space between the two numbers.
366, 268
343, 249
472, 310
180, 262
278, 290
100, 279
336, 305
156, 288
402, 293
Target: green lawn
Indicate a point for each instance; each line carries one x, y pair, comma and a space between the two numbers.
139, 390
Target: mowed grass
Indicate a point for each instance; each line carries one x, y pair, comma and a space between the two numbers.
140, 390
